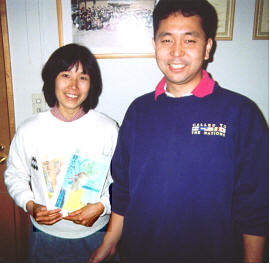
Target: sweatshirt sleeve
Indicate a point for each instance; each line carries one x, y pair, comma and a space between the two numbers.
120, 164
17, 173
105, 196
251, 199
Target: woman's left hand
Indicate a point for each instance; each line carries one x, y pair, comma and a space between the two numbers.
87, 215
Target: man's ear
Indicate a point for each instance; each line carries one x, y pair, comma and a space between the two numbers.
208, 48
153, 43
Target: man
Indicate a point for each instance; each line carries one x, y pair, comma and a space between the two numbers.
190, 168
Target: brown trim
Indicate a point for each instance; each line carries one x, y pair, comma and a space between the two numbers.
257, 34
60, 22
8, 74
124, 55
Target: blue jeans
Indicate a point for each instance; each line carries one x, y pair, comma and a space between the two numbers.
47, 248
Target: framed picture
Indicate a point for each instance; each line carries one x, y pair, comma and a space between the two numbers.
225, 12
122, 28
261, 20
111, 29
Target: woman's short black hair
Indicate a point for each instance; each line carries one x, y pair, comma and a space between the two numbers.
202, 8
63, 59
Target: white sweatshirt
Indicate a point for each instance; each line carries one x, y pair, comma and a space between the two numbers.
44, 138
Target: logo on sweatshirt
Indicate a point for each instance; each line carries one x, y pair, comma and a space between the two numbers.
208, 129
34, 163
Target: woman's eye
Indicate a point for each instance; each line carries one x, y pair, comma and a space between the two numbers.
84, 78
65, 75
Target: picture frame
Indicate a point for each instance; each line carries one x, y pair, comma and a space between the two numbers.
132, 36
127, 35
261, 20
225, 11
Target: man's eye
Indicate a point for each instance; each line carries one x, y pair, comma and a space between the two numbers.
166, 41
190, 41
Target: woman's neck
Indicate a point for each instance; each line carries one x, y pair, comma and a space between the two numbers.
67, 118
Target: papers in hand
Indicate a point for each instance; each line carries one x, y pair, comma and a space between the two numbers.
77, 183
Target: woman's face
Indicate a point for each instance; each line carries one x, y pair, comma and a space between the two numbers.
71, 89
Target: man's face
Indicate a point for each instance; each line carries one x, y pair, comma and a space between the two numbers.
181, 48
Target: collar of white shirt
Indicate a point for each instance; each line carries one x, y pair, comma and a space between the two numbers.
171, 95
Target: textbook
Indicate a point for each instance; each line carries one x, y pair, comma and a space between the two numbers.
78, 183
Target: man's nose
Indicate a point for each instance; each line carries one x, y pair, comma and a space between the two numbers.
178, 49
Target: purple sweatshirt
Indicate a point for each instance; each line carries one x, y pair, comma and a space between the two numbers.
190, 174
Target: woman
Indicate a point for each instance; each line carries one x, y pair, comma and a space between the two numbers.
53, 149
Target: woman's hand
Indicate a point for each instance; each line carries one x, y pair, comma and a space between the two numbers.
87, 215
42, 215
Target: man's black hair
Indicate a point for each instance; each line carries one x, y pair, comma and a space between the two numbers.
187, 8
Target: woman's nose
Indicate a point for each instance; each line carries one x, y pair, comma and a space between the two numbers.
73, 83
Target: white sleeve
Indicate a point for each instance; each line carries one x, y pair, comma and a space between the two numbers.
17, 173
105, 196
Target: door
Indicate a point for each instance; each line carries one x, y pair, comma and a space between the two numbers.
14, 223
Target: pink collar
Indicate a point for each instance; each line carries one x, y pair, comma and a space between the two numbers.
55, 112
205, 87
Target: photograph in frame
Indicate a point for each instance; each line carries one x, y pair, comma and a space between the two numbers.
261, 20
112, 28
225, 11
122, 28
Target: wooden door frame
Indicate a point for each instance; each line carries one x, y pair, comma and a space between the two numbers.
21, 219
8, 75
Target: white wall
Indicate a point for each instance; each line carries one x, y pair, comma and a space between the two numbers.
240, 65
33, 36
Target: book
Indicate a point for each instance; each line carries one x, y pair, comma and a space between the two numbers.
50, 170
79, 182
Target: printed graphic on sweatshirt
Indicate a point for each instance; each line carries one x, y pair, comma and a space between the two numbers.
51, 169
209, 129
34, 163
82, 182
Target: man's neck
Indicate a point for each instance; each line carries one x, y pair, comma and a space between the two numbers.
180, 90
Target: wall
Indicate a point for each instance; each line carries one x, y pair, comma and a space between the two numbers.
33, 35
240, 65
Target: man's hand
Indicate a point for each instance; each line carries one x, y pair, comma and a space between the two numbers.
42, 215
113, 234
253, 247
103, 252
87, 215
